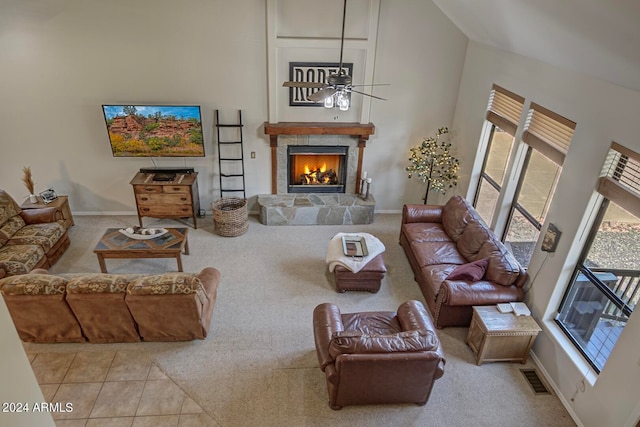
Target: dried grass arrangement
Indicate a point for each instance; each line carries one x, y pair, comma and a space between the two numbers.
27, 179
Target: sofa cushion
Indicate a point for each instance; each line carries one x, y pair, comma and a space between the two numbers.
472, 239
9, 209
167, 284
10, 227
418, 232
472, 271
33, 284
45, 235
456, 216
434, 276
354, 342
20, 259
503, 268
373, 323
432, 253
99, 283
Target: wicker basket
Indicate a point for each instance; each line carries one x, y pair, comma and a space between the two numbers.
230, 216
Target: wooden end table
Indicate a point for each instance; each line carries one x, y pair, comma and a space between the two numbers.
62, 203
114, 244
499, 337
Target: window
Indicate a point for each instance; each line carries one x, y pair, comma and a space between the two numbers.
503, 114
547, 136
605, 286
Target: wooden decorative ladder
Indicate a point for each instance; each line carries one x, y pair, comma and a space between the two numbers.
230, 157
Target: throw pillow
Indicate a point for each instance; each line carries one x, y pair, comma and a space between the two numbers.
473, 271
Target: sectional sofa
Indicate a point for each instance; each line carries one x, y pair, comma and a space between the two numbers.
102, 308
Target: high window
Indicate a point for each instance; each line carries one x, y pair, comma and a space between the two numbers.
503, 114
547, 136
605, 288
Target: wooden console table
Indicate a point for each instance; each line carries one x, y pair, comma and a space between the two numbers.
178, 198
62, 203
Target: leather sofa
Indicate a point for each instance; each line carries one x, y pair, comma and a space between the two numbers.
30, 238
377, 357
102, 308
442, 243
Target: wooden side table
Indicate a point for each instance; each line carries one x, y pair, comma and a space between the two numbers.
499, 337
62, 202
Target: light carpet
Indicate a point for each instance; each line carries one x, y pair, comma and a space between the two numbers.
258, 365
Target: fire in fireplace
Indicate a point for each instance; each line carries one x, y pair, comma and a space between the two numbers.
317, 169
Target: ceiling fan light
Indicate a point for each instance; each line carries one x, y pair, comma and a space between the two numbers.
342, 99
328, 102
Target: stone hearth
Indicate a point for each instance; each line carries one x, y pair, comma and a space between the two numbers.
315, 209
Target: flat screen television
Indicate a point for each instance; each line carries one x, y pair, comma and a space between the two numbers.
154, 130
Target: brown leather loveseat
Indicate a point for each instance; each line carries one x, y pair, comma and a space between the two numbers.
102, 308
458, 261
377, 357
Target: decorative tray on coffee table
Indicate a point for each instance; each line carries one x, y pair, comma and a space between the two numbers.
139, 233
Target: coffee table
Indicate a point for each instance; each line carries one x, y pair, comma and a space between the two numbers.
114, 244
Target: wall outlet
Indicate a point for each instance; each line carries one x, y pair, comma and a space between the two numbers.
253, 154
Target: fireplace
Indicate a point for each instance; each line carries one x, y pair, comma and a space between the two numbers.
315, 172
316, 169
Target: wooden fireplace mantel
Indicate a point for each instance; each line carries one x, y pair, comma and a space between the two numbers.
361, 131
319, 128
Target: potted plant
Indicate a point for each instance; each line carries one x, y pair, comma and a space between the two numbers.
433, 164
27, 179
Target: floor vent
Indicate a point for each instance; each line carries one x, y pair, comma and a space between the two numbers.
534, 381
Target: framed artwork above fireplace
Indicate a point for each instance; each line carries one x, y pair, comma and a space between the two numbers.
316, 72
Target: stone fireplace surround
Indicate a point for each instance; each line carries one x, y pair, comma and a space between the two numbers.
283, 208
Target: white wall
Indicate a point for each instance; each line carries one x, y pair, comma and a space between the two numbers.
18, 384
61, 61
603, 113
59, 67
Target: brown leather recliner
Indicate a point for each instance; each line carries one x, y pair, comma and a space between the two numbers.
377, 357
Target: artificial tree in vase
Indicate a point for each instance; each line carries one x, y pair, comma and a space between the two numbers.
432, 163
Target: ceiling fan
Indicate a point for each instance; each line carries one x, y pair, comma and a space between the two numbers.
336, 91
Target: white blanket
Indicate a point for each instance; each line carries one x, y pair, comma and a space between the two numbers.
336, 256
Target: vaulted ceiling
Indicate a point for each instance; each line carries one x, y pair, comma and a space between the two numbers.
600, 38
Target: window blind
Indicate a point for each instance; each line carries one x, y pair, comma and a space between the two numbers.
504, 109
548, 132
620, 178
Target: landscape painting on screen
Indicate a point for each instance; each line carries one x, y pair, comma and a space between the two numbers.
154, 130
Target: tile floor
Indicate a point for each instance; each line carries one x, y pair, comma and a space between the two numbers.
118, 388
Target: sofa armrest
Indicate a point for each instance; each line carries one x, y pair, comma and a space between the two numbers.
464, 293
41, 215
210, 278
327, 319
421, 213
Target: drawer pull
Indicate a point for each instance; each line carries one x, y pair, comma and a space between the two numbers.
144, 198
145, 209
184, 199
176, 188
149, 188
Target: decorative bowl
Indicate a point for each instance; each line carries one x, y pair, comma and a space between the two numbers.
143, 233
